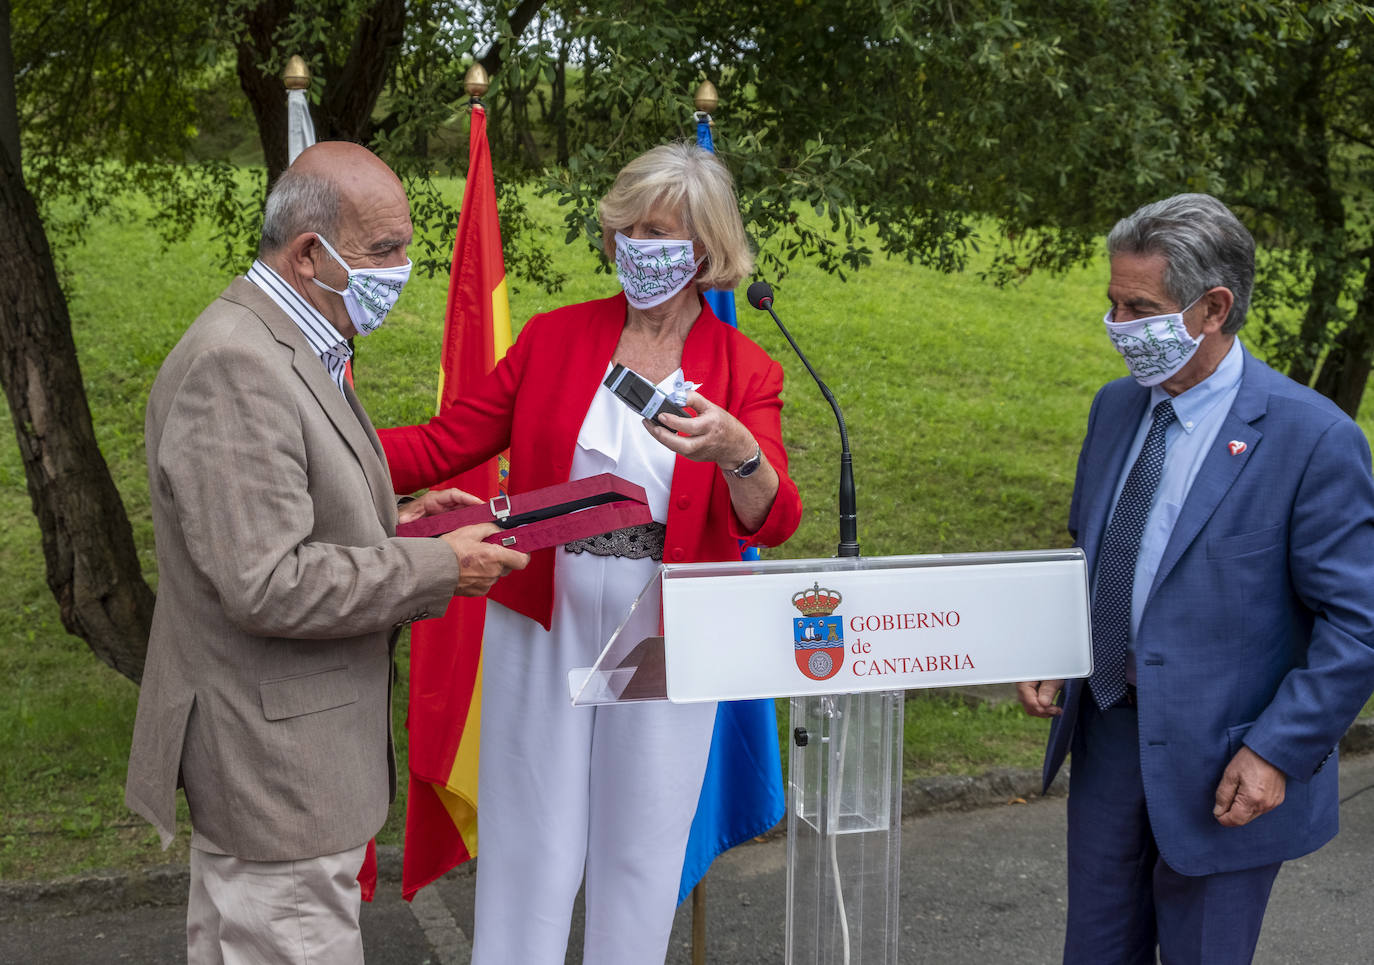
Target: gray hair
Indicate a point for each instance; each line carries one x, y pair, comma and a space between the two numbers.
1204, 246
698, 185
299, 203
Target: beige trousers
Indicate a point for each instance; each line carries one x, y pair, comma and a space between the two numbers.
251, 912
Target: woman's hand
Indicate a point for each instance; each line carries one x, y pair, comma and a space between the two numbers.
434, 501
713, 435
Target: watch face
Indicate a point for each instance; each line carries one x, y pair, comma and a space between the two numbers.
747, 467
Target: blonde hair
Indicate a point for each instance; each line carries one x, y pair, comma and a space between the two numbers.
693, 181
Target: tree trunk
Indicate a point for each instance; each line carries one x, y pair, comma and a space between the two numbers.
518, 107
350, 89
519, 19
1346, 369
88, 545
265, 92
560, 100
1313, 159
9, 108
1323, 302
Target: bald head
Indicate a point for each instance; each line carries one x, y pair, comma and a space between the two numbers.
354, 170
330, 185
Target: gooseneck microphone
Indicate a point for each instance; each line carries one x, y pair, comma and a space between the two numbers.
760, 295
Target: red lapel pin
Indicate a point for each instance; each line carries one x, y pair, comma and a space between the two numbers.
1236, 447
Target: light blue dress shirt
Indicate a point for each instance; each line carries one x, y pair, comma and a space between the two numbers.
1200, 411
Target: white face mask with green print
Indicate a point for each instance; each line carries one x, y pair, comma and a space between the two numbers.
651, 272
1155, 348
370, 292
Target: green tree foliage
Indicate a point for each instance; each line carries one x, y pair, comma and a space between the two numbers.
100, 92
1300, 162
913, 118
919, 128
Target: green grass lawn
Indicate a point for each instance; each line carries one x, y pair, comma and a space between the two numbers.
965, 406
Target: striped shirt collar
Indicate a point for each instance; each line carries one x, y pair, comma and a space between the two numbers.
324, 339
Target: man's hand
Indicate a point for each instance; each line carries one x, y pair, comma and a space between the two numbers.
481, 564
433, 502
1038, 696
1250, 786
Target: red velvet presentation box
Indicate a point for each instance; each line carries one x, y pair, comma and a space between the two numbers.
547, 517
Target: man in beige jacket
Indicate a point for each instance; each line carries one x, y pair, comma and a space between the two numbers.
267, 687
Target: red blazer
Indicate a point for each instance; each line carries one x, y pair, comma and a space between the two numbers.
534, 402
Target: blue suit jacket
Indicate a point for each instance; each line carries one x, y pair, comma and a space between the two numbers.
1259, 626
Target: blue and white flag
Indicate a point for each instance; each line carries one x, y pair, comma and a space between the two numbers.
742, 794
721, 302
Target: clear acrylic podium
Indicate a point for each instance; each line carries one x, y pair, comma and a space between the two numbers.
844, 821
845, 638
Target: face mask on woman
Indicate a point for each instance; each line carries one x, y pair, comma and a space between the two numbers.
651, 272
370, 292
1155, 348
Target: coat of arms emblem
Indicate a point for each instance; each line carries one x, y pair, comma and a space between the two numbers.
818, 634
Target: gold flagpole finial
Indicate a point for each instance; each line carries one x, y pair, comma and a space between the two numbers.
296, 75
475, 81
706, 98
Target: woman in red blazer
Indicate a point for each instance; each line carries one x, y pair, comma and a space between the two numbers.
610, 792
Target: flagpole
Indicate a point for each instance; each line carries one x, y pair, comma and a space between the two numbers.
300, 134
705, 101
444, 716
740, 795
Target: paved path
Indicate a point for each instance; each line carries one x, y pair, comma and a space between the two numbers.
981, 886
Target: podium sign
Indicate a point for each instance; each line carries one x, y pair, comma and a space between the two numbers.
783, 628
877, 624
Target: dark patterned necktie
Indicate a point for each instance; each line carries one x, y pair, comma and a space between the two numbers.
1116, 564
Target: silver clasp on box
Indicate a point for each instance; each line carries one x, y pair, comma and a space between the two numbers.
502, 511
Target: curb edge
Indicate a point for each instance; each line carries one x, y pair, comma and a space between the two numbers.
167, 884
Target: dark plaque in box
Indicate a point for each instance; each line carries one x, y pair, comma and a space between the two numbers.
547, 517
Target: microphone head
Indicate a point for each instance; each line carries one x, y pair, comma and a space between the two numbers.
760, 295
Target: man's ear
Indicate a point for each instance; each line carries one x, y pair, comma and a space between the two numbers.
298, 254
1217, 302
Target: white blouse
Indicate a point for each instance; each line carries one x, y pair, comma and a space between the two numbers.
613, 439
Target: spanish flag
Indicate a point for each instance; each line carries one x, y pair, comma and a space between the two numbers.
444, 717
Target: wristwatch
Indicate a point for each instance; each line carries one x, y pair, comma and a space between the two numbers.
748, 467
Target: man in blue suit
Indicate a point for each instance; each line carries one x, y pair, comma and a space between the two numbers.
1227, 515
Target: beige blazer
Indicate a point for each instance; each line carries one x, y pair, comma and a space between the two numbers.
267, 686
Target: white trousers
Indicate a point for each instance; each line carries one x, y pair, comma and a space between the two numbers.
561, 790
260, 912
